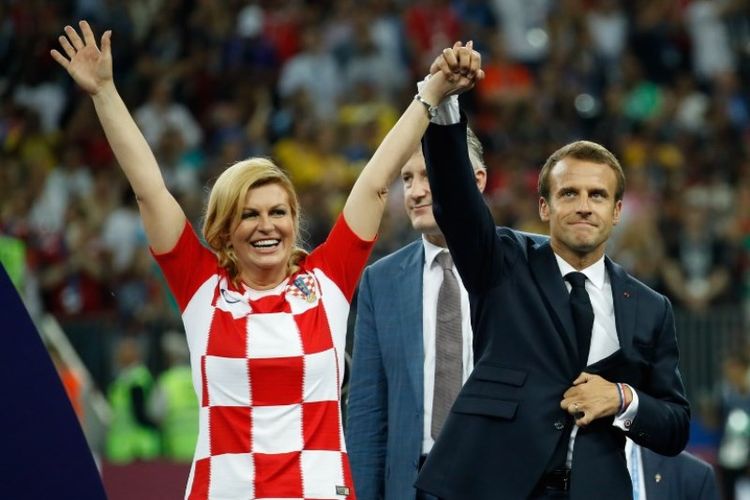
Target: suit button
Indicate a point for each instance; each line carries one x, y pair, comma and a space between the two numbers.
559, 425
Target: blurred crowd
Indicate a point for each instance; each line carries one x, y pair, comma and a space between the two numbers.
315, 84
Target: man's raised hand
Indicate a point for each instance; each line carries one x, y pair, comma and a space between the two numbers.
461, 65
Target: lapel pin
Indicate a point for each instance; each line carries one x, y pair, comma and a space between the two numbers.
657, 477
626, 294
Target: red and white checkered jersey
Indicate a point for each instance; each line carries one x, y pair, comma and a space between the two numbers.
267, 368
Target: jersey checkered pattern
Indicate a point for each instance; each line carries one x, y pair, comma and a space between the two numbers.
267, 369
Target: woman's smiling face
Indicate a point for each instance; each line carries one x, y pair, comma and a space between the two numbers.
264, 238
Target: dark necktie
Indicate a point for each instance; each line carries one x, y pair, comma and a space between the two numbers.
448, 348
583, 314
583, 319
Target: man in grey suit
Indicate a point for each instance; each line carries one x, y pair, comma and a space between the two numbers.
390, 419
683, 477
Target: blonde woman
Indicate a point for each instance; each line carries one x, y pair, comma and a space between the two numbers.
265, 321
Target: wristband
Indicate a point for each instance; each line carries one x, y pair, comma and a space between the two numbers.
623, 400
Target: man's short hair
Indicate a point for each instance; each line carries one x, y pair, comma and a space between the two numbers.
585, 151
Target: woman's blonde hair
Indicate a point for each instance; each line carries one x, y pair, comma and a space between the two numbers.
225, 204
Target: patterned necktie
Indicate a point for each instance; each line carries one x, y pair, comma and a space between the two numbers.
448, 348
583, 314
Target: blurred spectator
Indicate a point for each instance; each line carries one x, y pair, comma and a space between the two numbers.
172, 403
283, 27
122, 233
430, 25
70, 179
367, 116
161, 113
314, 72
72, 267
524, 26
644, 99
478, 23
734, 398
691, 105
45, 97
657, 38
29, 141
607, 23
367, 63
311, 157
699, 264
639, 247
162, 52
131, 435
387, 31
143, 14
712, 55
13, 260
505, 81
180, 167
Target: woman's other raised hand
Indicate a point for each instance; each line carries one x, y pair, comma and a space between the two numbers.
90, 67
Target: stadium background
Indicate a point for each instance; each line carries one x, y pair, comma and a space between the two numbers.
315, 85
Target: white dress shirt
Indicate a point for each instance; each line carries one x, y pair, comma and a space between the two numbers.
432, 278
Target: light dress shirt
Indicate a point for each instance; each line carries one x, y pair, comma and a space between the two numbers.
635, 468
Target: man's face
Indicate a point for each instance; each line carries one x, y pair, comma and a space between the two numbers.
581, 209
417, 195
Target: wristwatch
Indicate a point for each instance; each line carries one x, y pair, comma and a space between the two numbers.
432, 111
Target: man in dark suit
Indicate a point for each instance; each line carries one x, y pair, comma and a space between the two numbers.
684, 477
572, 354
390, 417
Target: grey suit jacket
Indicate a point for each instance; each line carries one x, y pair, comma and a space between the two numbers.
385, 408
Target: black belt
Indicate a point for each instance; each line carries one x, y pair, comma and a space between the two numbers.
555, 480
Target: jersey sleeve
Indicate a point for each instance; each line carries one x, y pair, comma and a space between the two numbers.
342, 257
187, 266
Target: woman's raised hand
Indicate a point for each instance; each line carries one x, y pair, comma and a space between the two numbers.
90, 67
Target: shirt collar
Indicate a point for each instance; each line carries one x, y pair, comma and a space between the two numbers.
431, 251
595, 272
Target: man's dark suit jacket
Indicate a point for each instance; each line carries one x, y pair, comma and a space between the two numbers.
684, 477
506, 421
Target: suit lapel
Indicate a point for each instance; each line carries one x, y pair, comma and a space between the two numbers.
625, 303
552, 287
408, 289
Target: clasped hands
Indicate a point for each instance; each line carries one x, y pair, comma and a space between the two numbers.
592, 397
461, 66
